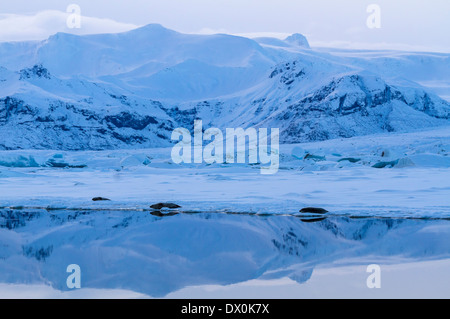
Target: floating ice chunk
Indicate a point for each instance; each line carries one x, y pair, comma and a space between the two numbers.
135, 160
385, 164
404, 162
350, 159
18, 161
315, 157
60, 164
298, 152
344, 164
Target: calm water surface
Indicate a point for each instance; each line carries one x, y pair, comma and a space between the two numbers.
218, 255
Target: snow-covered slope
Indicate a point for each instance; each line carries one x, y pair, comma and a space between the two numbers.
132, 89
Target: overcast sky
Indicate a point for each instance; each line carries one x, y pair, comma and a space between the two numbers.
405, 24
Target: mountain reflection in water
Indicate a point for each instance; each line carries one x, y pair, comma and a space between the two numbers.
158, 253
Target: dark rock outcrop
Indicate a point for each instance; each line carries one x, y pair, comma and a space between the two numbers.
313, 210
164, 205
97, 199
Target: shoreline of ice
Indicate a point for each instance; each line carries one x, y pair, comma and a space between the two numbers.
417, 185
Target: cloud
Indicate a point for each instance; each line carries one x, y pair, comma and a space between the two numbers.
15, 27
377, 46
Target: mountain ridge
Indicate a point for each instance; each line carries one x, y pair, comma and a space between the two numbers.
102, 92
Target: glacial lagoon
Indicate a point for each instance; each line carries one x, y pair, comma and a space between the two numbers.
195, 254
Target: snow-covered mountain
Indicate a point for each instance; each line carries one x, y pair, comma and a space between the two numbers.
130, 90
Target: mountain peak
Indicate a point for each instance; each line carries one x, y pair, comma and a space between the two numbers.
61, 35
152, 28
298, 40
